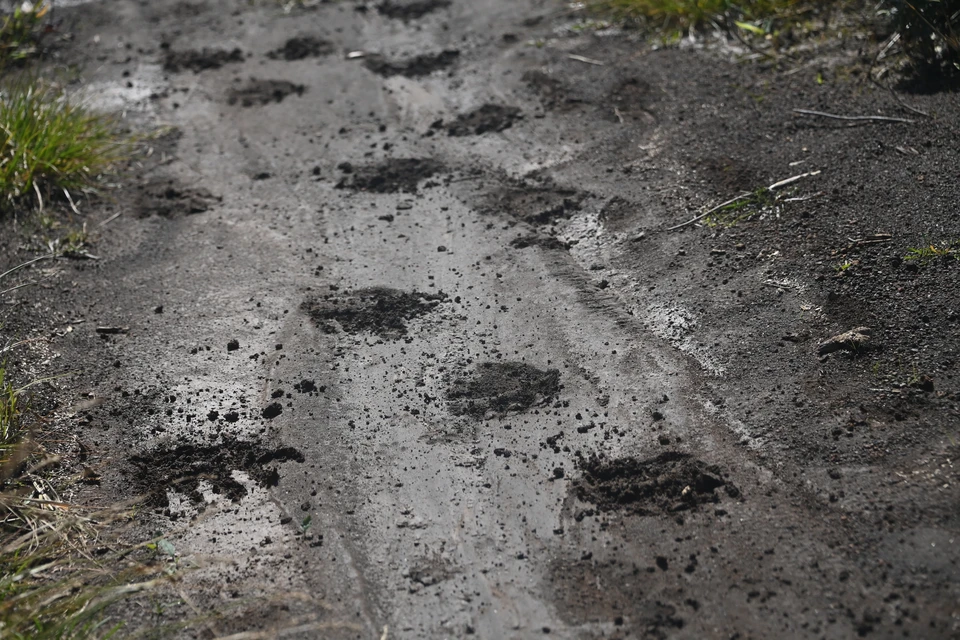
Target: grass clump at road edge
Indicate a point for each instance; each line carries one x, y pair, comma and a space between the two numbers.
50, 144
929, 29
670, 15
21, 31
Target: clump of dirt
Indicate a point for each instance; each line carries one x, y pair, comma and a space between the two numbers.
489, 117
537, 240
501, 387
184, 467
379, 310
390, 176
197, 61
422, 65
168, 198
264, 92
410, 10
534, 204
670, 482
302, 47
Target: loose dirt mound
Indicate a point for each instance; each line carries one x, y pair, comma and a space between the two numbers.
670, 482
391, 176
168, 198
378, 310
302, 47
489, 117
422, 65
502, 387
532, 203
202, 60
183, 468
410, 10
264, 92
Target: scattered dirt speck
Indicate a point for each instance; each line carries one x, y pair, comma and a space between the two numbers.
501, 387
378, 310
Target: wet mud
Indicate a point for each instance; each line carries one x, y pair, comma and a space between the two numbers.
501, 388
202, 60
416, 67
484, 119
667, 483
261, 92
390, 176
184, 468
378, 310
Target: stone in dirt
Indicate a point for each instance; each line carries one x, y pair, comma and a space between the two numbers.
302, 47
379, 310
422, 65
487, 118
197, 61
264, 92
501, 387
184, 467
410, 10
670, 482
853, 340
390, 176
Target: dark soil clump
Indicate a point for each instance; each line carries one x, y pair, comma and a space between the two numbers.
302, 47
410, 10
202, 60
422, 65
489, 117
183, 467
534, 204
502, 387
670, 482
537, 240
170, 199
390, 176
264, 92
379, 310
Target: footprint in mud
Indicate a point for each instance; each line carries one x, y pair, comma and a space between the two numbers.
183, 468
197, 61
484, 119
500, 387
422, 65
670, 482
378, 310
534, 204
264, 92
302, 47
169, 199
410, 10
390, 176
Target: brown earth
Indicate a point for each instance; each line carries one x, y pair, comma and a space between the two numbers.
527, 402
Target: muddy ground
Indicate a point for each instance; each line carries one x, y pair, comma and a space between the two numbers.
408, 349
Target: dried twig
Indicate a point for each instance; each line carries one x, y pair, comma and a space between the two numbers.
808, 112
574, 56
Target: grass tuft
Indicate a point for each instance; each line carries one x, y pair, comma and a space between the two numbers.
21, 31
929, 30
50, 144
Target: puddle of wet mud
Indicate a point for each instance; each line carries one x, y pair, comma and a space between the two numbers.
378, 310
484, 119
202, 60
410, 10
670, 482
301, 47
418, 66
170, 199
184, 467
390, 176
500, 387
261, 92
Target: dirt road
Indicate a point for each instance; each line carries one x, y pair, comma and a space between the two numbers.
411, 353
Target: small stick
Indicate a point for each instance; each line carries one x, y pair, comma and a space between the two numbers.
25, 264
808, 112
111, 219
619, 115
574, 56
791, 180
705, 214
